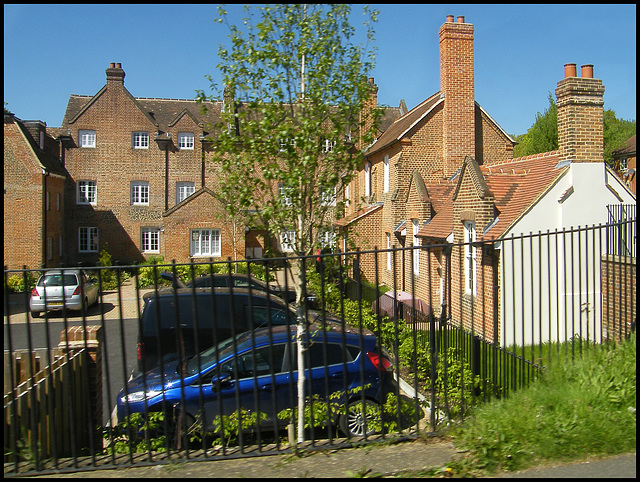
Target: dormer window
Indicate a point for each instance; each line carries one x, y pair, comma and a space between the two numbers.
140, 140
87, 138
185, 140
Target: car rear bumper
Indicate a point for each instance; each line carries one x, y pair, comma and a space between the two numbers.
38, 304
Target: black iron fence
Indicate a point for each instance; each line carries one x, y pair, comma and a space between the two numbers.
203, 360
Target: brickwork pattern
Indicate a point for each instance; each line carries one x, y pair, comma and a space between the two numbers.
580, 119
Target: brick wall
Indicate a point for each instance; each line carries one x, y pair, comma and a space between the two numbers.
25, 243
114, 164
580, 116
457, 85
619, 295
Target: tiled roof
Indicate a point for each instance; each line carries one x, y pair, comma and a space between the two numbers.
165, 112
626, 149
441, 197
398, 129
44, 159
517, 185
357, 215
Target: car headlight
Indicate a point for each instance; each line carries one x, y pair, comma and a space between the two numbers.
139, 396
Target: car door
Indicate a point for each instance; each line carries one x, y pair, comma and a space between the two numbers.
252, 380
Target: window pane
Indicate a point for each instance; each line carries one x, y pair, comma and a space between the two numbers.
150, 240
184, 190
88, 240
86, 192
140, 140
205, 242
140, 192
87, 138
185, 140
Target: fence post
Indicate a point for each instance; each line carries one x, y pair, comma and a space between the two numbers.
93, 343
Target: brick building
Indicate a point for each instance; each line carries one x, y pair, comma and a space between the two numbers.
138, 181
624, 163
444, 175
33, 200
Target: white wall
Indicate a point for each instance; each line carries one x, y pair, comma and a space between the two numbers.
551, 284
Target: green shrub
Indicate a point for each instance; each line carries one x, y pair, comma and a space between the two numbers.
16, 282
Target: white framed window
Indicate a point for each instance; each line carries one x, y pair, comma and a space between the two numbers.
185, 140
284, 194
470, 257
386, 173
416, 242
329, 196
283, 143
287, 240
184, 190
87, 192
347, 195
389, 252
205, 242
327, 238
57, 201
328, 145
87, 138
88, 240
140, 193
140, 140
367, 179
150, 240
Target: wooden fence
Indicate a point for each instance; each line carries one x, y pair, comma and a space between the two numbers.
45, 415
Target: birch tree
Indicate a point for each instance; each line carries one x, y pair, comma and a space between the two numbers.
295, 133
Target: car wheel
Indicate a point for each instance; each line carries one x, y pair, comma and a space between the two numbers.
35, 314
361, 418
174, 430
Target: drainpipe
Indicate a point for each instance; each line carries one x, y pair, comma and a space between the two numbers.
164, 143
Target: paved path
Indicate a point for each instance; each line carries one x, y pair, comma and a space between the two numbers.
411, 458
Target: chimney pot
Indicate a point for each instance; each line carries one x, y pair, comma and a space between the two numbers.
112, 65
460, 19
570, 70
118, 65
449, 18
587, 71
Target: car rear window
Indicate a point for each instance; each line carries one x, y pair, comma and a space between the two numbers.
188, 305
58, 280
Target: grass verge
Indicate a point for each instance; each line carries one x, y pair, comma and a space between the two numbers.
575, 410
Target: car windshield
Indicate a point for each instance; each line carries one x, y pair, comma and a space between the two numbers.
208, 357
58, 280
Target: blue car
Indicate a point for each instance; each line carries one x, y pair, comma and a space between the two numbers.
258, 370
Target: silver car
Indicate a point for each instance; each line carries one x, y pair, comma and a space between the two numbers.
80, 292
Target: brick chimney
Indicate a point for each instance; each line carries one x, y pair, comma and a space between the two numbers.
115, 74
366, 115
457, 86
580, 116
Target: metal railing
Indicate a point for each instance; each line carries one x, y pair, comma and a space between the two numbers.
531, 300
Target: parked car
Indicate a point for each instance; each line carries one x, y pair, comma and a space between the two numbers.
63, 289
175, 323
259, 370
239, 280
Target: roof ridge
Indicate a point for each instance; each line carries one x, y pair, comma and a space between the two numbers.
540, 155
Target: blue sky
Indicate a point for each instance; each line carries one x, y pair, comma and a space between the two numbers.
52, 51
